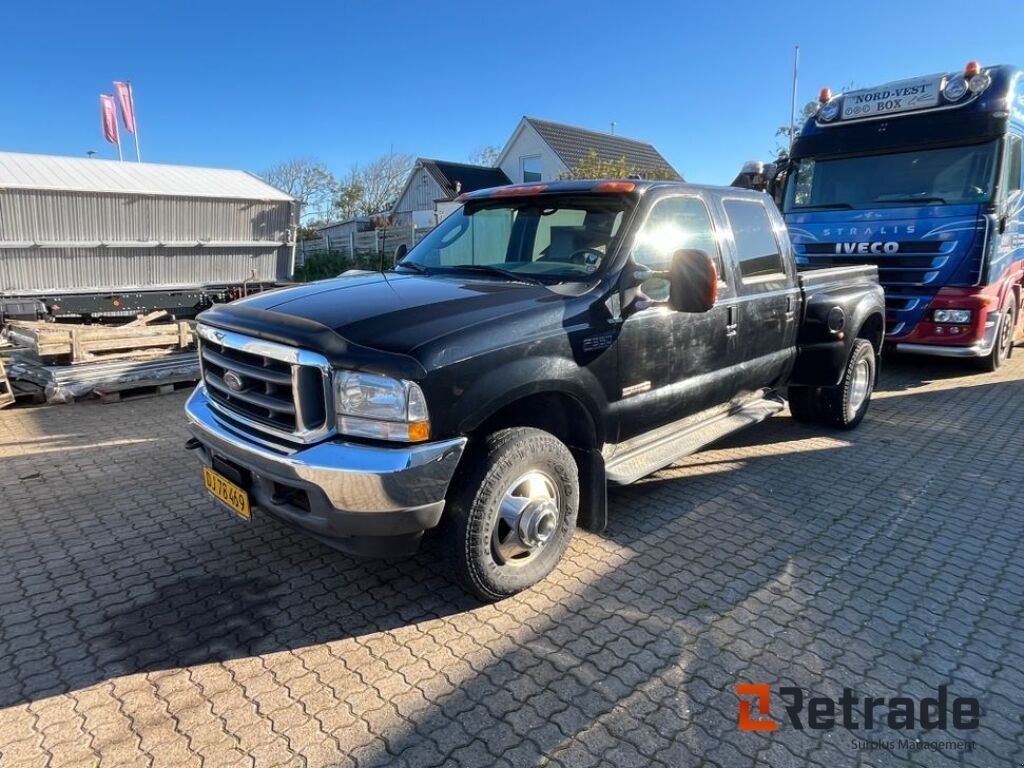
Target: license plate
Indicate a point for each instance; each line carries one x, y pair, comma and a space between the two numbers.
903, 96
222, 489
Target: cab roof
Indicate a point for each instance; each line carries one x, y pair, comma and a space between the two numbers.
631, 187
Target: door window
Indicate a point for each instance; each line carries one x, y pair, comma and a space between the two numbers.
1013, 164
757, 247
674, 224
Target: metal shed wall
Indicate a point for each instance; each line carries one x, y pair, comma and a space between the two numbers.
24, 271
61, 240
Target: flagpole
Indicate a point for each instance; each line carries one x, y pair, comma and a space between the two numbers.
120, 155
135, 122
792, 103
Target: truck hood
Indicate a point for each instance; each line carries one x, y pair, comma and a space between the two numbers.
401, 313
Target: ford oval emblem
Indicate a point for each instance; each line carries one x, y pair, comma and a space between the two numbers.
233, 381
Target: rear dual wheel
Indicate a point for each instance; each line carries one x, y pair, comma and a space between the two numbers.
842, 406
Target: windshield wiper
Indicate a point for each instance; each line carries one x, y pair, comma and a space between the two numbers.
910, 199
490, 269
419, 269
824, 207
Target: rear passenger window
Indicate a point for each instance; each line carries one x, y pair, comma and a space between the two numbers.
757, 247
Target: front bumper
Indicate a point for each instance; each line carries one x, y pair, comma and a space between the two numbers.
359, 498
981, 348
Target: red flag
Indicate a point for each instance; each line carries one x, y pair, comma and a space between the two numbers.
124, 96
108, 111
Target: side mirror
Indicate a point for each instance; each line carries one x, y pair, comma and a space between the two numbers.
400, 250
693, 282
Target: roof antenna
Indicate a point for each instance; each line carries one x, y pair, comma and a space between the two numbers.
613, 127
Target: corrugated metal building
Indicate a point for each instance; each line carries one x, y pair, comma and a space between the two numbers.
78, 224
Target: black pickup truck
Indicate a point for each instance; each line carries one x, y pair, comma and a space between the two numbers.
543, 341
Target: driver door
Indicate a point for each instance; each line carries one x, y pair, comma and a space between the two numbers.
672, 364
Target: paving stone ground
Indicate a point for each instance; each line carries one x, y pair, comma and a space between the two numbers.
141, 624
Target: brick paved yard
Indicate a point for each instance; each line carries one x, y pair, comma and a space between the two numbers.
143, 625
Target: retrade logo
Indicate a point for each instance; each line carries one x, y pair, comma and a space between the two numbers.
853, 712
762, 698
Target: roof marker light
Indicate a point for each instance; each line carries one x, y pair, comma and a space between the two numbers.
972, 69
824, 95
615, 186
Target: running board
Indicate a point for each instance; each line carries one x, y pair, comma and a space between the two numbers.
669, 448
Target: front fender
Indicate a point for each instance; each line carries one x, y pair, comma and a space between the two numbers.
517, 379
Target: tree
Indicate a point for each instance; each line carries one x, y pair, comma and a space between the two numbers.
308, 181
783, 132
348, 195
373, 188
382, 181
595, 167
485, 155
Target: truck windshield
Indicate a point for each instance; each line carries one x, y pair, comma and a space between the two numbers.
947, 176
541, 239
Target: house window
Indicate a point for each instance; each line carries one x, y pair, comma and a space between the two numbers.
530, 168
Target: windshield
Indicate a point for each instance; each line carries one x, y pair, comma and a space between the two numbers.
549, 239
952, 175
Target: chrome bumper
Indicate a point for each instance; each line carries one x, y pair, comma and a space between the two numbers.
334, 490
980, 349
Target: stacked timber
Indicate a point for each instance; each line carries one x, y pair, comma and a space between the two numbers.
68, 361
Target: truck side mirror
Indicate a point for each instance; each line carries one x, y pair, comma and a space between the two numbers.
400, 250
693, 281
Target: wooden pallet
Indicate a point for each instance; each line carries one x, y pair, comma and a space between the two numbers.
90, 343
115, 393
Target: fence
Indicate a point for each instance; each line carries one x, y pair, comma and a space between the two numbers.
378, 241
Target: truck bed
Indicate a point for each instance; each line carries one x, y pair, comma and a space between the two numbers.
830, 277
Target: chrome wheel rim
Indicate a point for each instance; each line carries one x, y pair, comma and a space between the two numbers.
860, 386
528, 518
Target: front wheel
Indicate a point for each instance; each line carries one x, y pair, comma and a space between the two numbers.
513, 514
1003, 346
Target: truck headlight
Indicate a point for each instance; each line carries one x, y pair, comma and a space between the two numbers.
955, 88
951, 316
379, 407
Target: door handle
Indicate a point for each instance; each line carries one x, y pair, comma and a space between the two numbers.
730, 320
790, 315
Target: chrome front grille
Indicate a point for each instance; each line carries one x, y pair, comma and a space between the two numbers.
269, 387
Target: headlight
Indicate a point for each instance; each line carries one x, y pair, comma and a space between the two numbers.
951, 316
979, 82
379, 407
830, 111
955, 88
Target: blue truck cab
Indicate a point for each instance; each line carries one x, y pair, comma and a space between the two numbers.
921, 178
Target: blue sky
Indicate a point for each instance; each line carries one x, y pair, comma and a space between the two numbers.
245, 85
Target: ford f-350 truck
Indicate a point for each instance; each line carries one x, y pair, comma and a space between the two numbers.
543, 341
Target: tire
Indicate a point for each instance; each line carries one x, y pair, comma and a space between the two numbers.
1003, 346
803, 404
844, 406
532, 476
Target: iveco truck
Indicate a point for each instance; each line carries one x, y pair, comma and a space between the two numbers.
921, 178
